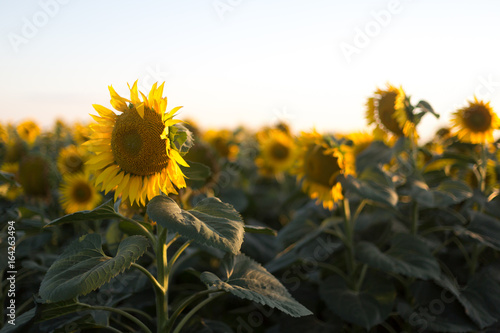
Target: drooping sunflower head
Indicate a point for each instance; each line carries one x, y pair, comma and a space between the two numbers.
78, 193
28, 131
319, 165
386, 109
277, 152
34, 176
15, 150
138, 152
223, 142
475, 123
71, 159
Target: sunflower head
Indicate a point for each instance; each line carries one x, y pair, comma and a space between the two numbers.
138, 151
15, 150
387, 110
33, 175
4, 134
475, 123
28, 131
277, 152
224, 143
319, 165
71, 159
78, 193
81, 133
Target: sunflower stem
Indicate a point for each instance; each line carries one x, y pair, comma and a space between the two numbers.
349, 239
195, 309
182, 306
161, 262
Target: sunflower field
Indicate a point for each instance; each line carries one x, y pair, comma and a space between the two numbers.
139, 221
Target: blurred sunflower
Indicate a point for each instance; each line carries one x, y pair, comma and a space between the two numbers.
78, 193
319, 165
475, 123
15, 150
34, 176
28, 131
360, 141
81, 133
10, 191
223, 142
277, 152
71, 159
4, 134
136, 152
387, 110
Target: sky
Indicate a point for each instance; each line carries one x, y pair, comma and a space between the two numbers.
310, 63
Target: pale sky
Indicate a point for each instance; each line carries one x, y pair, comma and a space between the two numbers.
247, 62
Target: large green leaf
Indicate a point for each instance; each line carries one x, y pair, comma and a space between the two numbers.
211, 222
373, 184
378, 153
369, 306
435, 310
480, 297
84, 267
104, 211
196, 174
408, 255
484, 229
247, 279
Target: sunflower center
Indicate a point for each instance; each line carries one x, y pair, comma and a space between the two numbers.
386, 112
477, 118
74, 163
81, 193
279, 151
136, 144
321, 168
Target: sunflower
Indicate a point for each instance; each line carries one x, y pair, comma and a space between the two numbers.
28, 131
10, 191
277, 152
78, 193
319, 165
71, 159
136, 152
475, 123
81, 133
33, 175
4, 134
387, 109
224, 143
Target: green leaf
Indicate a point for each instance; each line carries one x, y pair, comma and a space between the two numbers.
104, 211
408, 255
22, 323
10, 178
211, 222
378, 153
480, 297
483, 229
373, 184
447, 193
255, 229
53, 310
247, 279
197, 174
84, 267
368, 307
